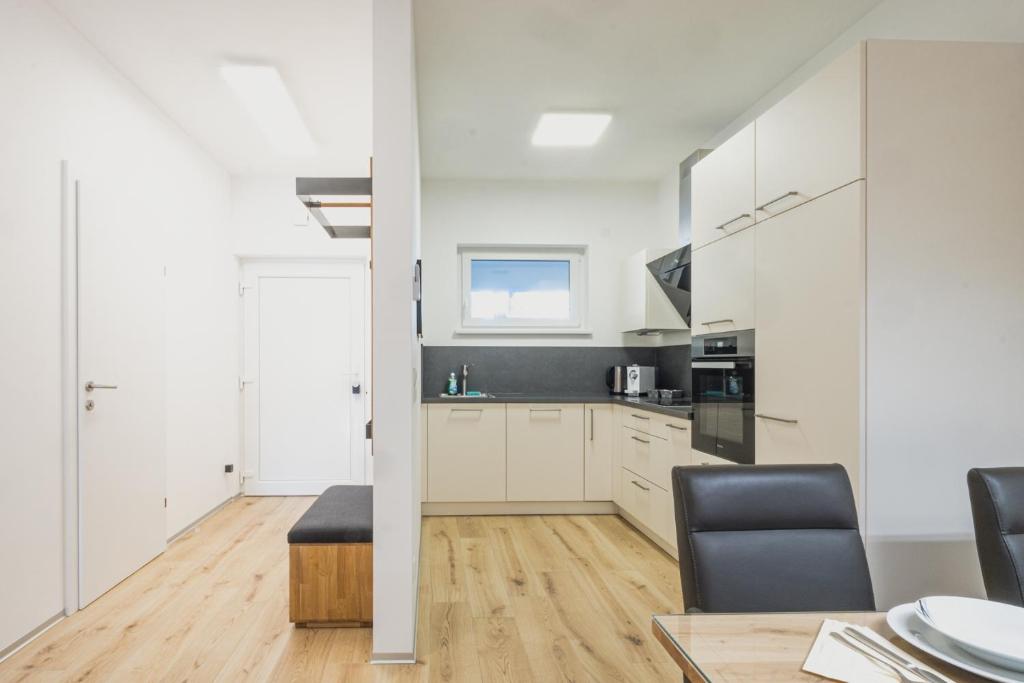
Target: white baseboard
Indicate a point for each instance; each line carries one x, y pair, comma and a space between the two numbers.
31, 635
651, 536
520, 508
192, 525
392, 658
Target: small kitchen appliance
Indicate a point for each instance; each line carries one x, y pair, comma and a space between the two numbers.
723, 396
640, 380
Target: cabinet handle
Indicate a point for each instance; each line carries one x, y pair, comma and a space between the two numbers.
591, 424
776, 419
791, 193
545, 410
467, 410
640, 417
636, 484
672, 426
723, 320
636, 438
732, 220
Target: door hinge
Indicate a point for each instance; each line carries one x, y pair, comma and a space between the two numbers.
242, 288
165, 502
369, 429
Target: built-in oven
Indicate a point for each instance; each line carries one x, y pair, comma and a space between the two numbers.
723, 396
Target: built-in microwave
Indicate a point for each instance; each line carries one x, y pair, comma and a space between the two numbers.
723, 395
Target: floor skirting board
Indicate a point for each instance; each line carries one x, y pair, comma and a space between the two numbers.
392, 658
192, 525
30, 636
520, 508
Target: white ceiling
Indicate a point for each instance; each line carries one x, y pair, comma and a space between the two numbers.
171, 50
673, 73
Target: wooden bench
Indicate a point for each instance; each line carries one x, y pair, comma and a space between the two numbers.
331, 560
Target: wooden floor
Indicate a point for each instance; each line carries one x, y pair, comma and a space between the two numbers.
501, 598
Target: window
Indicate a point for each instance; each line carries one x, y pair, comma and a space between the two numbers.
539, 289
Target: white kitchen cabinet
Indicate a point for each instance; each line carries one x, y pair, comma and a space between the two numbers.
678, 450
810, 298
644, 454
723, 285
545, 452
812, 141
637, 498
599, 444
663, 517
466, 453
645, 306
723, 189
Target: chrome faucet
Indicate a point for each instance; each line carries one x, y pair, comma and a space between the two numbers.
465, 379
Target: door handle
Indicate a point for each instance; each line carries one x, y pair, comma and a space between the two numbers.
791, 193
732, 220
636, 484
591, 424
776, 419
677, 427
639, 439
93, 386
723, 320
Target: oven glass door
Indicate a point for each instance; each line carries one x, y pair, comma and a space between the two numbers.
723, 408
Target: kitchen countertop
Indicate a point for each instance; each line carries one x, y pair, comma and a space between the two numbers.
683, 411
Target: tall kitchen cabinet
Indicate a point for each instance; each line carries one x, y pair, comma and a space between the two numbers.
887, 211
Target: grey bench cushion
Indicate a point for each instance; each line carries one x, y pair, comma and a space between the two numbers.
342, 514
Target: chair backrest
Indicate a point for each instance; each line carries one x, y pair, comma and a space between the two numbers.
997, 503
769, 538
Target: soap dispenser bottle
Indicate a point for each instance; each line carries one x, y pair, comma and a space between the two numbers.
453, 385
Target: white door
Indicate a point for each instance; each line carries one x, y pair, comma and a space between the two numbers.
121, 466
303, 377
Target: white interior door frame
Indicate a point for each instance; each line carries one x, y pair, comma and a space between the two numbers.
299, 267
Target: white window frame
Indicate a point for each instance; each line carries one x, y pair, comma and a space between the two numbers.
576, 255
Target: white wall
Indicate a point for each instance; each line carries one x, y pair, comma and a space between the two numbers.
62, 101
396, 494
966, 20
613, 219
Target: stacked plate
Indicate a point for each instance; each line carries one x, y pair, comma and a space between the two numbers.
983, 637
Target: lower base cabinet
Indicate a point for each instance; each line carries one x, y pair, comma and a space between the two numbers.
466, 453
545, 452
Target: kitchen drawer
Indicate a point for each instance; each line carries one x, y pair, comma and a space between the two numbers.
637, 497
663, 516
644, 454
644, 421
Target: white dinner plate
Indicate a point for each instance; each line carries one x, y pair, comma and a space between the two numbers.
990, 630
904, 621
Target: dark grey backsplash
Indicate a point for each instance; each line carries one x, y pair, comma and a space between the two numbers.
548, 369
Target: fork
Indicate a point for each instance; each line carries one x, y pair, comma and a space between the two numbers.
878, 660
892, 656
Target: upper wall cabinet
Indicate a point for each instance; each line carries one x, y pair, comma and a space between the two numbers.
812, 141
645, 306
723, 189
723, 285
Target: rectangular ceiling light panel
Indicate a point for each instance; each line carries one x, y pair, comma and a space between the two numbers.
264, 95
570, 129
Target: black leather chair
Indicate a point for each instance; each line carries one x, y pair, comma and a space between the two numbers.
997, 503
769, 538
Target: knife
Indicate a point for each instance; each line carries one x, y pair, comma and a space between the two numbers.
892, 656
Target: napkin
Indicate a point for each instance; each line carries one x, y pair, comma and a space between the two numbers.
831, 659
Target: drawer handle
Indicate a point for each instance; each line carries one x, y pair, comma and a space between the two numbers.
733, 220
637, 484
636, 438
791, 193
640, 417
776, 419
672, 426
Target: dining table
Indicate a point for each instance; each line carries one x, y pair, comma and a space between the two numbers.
765, 647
